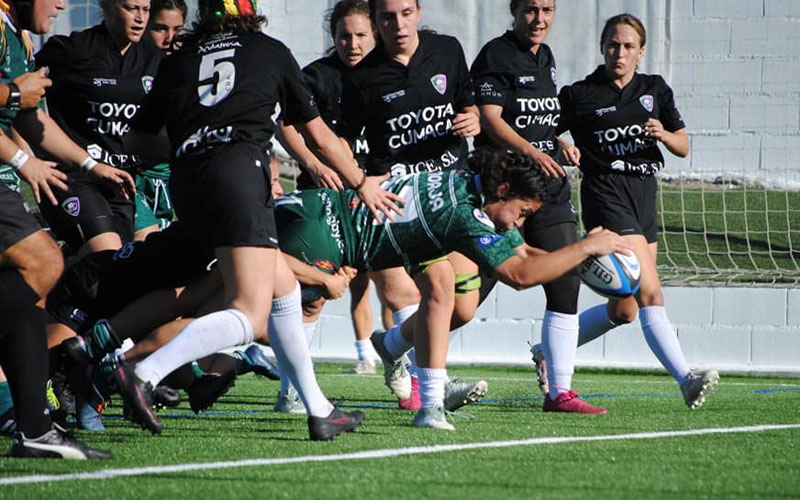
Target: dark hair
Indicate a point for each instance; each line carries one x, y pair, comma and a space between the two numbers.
627, 19
513, 6
156, 6
345, 8
525, 178
373, 7
342, 9
212, 19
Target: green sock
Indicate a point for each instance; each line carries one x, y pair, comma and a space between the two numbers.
198, 372
6, 403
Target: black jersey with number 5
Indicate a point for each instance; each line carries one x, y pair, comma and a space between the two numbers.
250, 72
607, 122
408, 111
96, 90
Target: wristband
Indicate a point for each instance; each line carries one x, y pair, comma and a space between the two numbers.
362, 182
88, 164
14, 102
19, 159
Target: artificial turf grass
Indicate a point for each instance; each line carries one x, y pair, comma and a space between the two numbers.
242, 426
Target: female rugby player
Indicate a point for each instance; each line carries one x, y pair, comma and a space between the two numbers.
618, 117
515, 88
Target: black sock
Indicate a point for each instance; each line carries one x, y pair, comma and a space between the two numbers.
23, 352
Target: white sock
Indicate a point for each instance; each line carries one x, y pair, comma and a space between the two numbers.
413, 369
403, 314
309, 329
395, 343
663, 341
560, 344
365, 351
291, 348
431, 386
594, 322
202, 337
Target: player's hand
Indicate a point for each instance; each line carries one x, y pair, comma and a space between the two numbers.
571, 153
116, 176
379, 201
655, 129
466, 125
336, 284
326, 177
42, 176
32, 86
601, 242
549, 166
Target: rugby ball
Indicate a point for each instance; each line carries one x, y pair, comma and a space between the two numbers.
615, 275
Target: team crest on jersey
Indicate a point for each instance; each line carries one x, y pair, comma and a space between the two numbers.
553, 76
439, 83
647, 102
147, 83
488, 240
72, 206
325, 265
481, 217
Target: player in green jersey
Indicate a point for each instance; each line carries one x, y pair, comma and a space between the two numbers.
475, 214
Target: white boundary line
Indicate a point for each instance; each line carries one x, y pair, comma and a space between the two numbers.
383, 453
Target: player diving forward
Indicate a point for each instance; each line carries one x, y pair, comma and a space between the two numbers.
476, 214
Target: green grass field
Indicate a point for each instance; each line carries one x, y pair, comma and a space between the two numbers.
712, 464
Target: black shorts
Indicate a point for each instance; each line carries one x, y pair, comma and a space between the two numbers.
624, 204
224, 196
101, 284
16, 223
89, 208
561, 293
558, 208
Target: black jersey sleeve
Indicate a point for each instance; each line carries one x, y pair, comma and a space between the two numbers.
316, 83
465, 94
56, 55
297, 102
490, 83
567, 111
354, 111
151, 116
668, 111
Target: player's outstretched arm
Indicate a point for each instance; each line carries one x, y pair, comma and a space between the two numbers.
537, 268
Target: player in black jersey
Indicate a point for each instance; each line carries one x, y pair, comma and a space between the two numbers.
353, 33
215, 97
100, 77
30, 262
618, 117
154, 210
515, 87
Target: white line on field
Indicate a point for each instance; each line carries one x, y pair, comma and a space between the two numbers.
382, 453
579, 379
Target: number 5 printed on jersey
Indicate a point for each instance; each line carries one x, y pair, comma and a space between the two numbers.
217, 75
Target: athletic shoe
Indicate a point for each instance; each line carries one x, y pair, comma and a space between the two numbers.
89, 419
537, 354
338, 422
569, 402
206, 390
433, 418
166, 397
395, 371
138, 397
696, 387
458, 394
289, 402
8, 422
50, 394
65, 397
414, 403
364, 367
55, 443
259, 364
